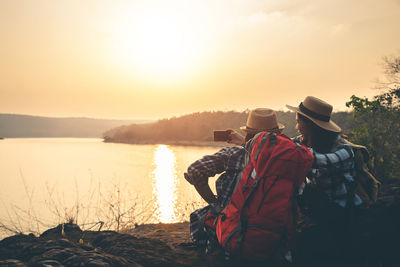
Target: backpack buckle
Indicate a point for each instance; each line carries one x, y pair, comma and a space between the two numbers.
253, 174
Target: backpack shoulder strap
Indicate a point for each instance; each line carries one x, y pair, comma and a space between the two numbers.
263, 140
369, 185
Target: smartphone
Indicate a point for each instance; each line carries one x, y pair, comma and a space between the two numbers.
221, 135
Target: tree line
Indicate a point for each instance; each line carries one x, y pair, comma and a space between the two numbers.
198, 127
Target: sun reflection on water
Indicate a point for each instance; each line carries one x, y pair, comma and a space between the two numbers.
165, 184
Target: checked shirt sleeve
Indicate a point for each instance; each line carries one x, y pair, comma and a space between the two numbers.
208, 166
341, 159
335, 159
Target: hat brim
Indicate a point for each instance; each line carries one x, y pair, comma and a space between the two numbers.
327, 125
254, 131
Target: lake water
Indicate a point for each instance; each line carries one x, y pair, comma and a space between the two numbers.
45, 181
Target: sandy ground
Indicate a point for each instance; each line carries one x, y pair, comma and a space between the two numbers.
173, 234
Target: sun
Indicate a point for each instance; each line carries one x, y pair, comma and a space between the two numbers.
161, 44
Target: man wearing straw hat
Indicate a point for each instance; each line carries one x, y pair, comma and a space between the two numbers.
230, 161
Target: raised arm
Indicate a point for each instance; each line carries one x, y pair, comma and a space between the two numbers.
199, 171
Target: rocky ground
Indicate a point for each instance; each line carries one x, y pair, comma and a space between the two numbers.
376, 243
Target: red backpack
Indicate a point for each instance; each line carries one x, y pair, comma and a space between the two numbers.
260, 219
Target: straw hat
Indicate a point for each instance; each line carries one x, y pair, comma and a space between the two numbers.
318, 111
262, 119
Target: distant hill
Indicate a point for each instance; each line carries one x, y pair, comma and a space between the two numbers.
198, 127
13, 125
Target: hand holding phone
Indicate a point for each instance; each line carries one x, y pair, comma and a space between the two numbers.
235, 138
221, 135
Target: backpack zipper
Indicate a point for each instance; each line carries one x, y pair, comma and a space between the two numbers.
264, 228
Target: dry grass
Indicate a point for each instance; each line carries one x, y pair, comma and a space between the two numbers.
113, 209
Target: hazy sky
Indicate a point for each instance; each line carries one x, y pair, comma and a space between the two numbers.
156, 59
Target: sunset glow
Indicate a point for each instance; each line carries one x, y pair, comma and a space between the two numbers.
164, 184
158, 59
163, 44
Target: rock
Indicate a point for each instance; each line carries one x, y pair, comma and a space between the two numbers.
52, 249
66, 230
48, 263
143, 251
12, 263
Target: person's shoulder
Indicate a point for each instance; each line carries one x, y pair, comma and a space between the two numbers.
250, 143
231, 149
342, 142
344, 147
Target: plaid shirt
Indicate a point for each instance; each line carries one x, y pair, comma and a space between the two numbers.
340, 160
229, 161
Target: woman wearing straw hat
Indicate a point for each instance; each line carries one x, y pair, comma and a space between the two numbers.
322, 135
329, 196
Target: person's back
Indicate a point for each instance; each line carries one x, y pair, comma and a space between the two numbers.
230, 161
260, 219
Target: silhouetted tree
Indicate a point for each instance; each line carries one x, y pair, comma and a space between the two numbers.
378, 123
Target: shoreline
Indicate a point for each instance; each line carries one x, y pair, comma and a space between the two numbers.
174, 143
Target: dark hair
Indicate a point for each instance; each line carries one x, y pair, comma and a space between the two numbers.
321, 140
